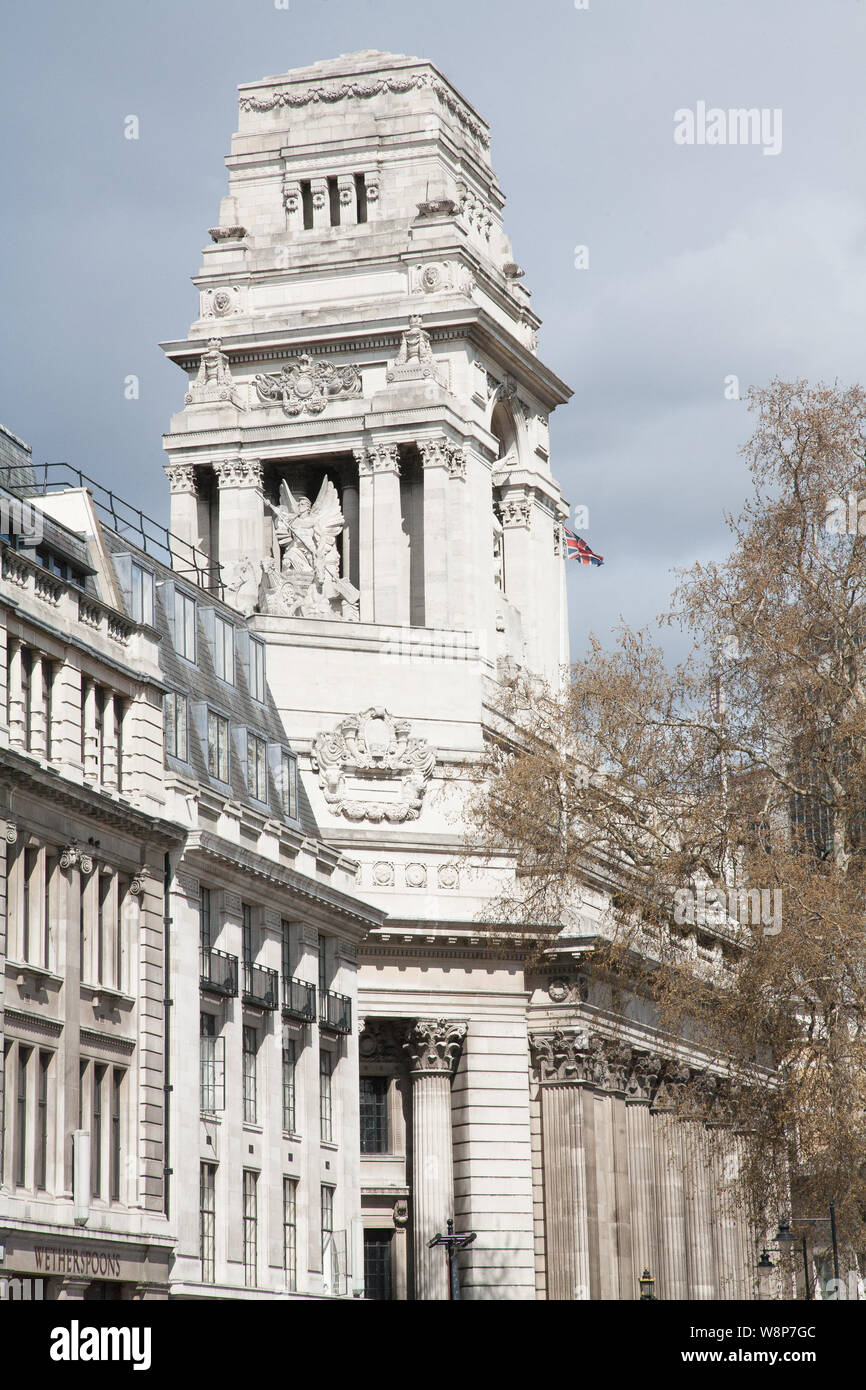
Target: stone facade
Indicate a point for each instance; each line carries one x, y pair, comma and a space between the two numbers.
256, 748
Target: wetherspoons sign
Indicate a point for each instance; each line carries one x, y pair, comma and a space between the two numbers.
51, 1259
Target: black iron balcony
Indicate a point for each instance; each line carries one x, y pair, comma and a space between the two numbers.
261, 986
219, 972
299, 999
335, 1011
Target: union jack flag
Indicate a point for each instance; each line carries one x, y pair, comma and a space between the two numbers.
576, 549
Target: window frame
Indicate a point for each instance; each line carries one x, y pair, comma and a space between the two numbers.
185, 626
178, 702
142, 598
258, 670
216, 765
257, 767
224, 649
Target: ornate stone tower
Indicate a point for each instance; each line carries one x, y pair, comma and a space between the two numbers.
364, 454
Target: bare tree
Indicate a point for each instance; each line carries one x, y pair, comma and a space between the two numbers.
718, 808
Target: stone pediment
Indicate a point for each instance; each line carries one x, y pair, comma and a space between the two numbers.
371, 768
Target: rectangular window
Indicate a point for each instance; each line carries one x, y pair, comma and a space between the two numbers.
246, 934
374, 1114
327, 1200
250, 1229
212, 1064
307, 204
224, 649
115, 1150
286, 949
323, 970
361, 195
257, 767
250, 1048
218, 746
176, 722
207, 1221
326, 1124
185, 626
48, 696
119, 718
42, 1122
289, 784
289, 1062
29, 899
103, 927
51, 872
290, 1232
377, 1265
99, 729
21, 1118
96, 1132
27, 694
258, 684
334, 201
204, 920
142, 595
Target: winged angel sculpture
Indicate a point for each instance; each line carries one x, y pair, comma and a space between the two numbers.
303, 578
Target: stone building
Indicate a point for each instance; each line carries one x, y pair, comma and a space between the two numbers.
179, 946
364, 454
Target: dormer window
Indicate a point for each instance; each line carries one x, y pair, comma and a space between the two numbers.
224, 650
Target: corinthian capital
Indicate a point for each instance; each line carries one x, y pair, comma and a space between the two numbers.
379, 458
181, 477
238, 473
434, 1045
561, 1055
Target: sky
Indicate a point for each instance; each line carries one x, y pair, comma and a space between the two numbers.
703, 262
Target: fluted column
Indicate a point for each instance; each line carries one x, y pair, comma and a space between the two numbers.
641, 1166
351, 538
669, 1166
559, 1061
698, 1194
91, 735
433, 1048
109, 745
724, 1175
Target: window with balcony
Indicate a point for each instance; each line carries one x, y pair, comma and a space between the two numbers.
290, 1057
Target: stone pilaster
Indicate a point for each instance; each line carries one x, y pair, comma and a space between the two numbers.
38, 727
17, 725
444, 465
384, 559
698, 1192
433, 1048
669, 1173
185, 517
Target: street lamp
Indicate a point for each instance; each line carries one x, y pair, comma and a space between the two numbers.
647, 1284
453, 1243
785, 1233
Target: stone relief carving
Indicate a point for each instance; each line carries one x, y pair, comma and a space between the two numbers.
514, 512
378, 753
381, 1040
11, 832
416, 875
383, 874
434, 1045
307, 582
568, 991
242, 583
343, 91
181, 477
217, 303
415, 360
73, 855
441, 453
213, 382
474, 211
448, 877
441, 277
307, 387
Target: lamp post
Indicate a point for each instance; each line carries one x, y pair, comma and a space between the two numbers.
785, 1236
453, 1243
646, 1284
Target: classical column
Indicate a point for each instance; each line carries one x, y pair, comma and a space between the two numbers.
725, 1208
561, 1065
669, 1165
241, 511
185, 520
91, 735
384, 559
348, 200
641, 1168
351, 515
321, 202
435, 454
433, 1048
109, 744
17, 721
38, 729
698, 1192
